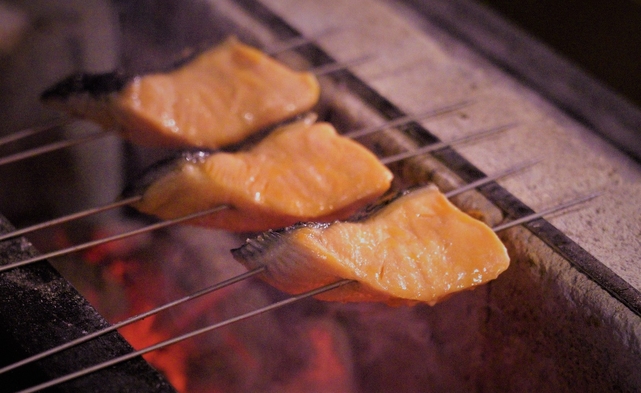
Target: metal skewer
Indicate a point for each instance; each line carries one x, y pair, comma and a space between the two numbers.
98, 242
280, 47
273, 306
321, 70
133, 319
409, 118
271, 49
51, 147
439, 145
385, 161
223, 284
488, 179
27, 132
534, 216
297, 42
333, 67
175, 340
167, 223
70, 217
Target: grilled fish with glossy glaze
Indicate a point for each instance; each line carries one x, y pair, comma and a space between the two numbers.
418, 248
219, 98
301, 171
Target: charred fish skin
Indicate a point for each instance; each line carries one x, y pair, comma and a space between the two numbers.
161, 168
256, 247
373, 208
95, 85
88, 96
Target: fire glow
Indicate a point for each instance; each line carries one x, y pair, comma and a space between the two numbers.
309, 346
309, 355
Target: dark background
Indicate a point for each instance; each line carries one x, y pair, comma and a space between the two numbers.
602, 37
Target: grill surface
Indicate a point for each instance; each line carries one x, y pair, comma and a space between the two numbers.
573, 283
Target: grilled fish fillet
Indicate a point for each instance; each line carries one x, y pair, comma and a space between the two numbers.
301, 171
217, 99
419, 248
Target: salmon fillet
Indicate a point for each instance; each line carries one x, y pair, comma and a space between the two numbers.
419, 248
217, 99
302, 171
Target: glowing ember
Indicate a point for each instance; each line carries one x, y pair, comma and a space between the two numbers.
265, 353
